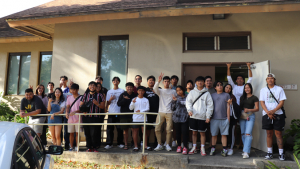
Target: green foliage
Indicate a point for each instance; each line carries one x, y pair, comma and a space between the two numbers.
6, 114
294, 132
273, 166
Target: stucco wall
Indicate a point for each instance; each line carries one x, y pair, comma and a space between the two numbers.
34, 48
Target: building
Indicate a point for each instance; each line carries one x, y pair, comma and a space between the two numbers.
146, 37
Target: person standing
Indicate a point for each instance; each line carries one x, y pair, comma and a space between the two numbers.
139, 104
138, 81
272, 98
99, 90
33, 105
73, 103
63, 83
95, 102
221, 117
181, 119
165, 111
99, 79
50, 88
112, 100
249, 105
56, 106
237, 89
124, 102
199, 105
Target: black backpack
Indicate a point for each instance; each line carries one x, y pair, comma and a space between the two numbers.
236, 110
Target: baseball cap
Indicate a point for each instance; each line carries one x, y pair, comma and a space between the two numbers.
271, 75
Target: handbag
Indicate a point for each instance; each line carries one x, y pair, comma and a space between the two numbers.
245, 115
282, 108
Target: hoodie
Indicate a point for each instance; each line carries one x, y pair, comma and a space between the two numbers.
204, 106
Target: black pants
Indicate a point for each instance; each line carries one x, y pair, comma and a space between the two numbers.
182, 129
99, 131
110, 131
230, 136
91, 132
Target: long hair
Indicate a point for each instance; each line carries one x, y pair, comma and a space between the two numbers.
37, 88
244, 93
61, 98
230, 93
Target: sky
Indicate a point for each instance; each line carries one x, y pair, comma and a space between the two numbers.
8, 7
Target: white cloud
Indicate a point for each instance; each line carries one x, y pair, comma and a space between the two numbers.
8, 7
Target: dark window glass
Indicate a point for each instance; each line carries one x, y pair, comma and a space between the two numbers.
45, 68
233, 43
200, 43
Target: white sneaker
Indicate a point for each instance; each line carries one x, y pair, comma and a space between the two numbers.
165, 144
75, 148
174, 144
245, 155
158, 148
182, 145
108, 147
121, 146
230, 152
168, 148
190, 145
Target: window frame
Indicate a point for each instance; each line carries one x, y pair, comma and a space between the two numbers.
19, 72
40, 65
22, 131
113, 37
217, 36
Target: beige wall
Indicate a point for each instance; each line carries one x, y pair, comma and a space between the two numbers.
155, 45
34, 48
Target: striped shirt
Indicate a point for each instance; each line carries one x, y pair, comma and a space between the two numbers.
87, 97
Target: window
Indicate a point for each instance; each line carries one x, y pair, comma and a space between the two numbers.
23, 157
37, 145
18, 73
113, 59
45, 68
225, 41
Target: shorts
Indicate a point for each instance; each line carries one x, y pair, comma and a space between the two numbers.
72, 128
197, 125
219, 124
37, 128
137, 126
276, 124
125, 120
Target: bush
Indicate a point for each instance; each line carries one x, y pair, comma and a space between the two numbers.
6, 114
294, 132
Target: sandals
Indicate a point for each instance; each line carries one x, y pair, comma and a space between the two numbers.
125, 147
135, 149
148, 148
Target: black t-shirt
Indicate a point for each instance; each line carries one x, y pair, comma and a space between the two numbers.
49, 95
125, 103
248, 103
104, 90
153, 100
34, 104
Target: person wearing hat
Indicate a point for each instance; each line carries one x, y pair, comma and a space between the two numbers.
73, 103
272, 98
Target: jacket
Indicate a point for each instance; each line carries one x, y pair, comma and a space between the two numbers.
204, 106
180, 114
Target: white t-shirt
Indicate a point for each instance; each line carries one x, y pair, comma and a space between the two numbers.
270, 102
141, 104
165, 98
237, 91
114, 108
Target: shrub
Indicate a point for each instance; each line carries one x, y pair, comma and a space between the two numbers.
294, 132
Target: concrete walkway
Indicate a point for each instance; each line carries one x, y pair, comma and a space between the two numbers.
173, 160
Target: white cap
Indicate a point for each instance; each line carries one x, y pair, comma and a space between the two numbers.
271, 75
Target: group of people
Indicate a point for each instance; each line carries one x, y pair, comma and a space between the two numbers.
208, 108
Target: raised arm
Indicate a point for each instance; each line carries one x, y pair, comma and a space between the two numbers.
230, 81
249, 68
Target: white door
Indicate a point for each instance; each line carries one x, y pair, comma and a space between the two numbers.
260, 71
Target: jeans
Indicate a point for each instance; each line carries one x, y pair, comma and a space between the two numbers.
246, 131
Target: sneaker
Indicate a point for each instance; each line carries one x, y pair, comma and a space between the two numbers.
108, 147
182, 145
190, 145
193, 151
178, 149
174, 144
203, 151
71, 149
121, 146
165, 144
224, 153
168, 148
95, 150
230, 152
184, 151
75, 149
245, 155
281, 157
212, 152
158, 148
88, 150
269, 156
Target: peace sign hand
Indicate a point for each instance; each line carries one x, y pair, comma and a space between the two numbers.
134, 100
174, 98
160, 77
